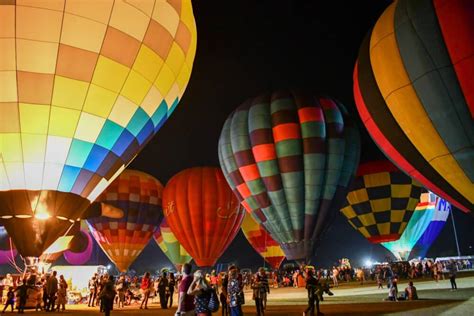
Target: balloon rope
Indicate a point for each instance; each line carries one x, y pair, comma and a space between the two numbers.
12, 257
265, 249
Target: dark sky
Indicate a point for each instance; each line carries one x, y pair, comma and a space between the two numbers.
246, 47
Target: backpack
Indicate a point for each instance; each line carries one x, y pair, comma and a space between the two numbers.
213, 304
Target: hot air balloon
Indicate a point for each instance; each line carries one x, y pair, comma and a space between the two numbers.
202, 212
81, 246
7, 248
262, 242
430, 210
170, 246
441, 211
414, 90
84, 86
139, 196
381, 201
289, 157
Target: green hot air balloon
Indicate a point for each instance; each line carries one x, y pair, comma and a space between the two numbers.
289, 157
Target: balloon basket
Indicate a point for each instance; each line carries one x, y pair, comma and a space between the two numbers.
34, 265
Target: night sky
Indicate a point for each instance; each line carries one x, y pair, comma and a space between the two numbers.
246, 47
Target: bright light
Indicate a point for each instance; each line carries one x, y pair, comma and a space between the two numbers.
42, 216
368, 263
109, 266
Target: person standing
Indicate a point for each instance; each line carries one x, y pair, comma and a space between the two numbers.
452, 275
223, 296
145, 288
171, 286
121, 289
92, 290
100, 286
260, 289
51, 289
233, 293
107, 295
185, 301
201, 290
62, 294
162, 288
22, 293
335, 275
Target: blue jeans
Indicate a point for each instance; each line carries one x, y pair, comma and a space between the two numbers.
236, 311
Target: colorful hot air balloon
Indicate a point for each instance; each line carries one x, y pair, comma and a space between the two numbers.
262, 242
441, 211
81, 246
170, 246
202, 212
289, 157
139, 196
427, 212
7, 248
84, 86
381, 201
414, 90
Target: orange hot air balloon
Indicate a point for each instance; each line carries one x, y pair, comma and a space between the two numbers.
202, 212
262, 242
138, 195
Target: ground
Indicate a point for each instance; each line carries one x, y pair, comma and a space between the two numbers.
354, 299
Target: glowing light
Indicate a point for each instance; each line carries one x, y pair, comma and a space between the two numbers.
368, 262
42, 215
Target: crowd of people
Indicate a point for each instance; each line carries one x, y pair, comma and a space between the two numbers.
202, 294
198, 293
45, 292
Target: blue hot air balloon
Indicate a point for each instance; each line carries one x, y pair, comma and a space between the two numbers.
423, 228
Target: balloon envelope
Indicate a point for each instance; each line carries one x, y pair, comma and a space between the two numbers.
81, 247
170, 246
139, 196
414, 92
84, 86
262, 242
289, 157
381, 201
202, 212
441, 211
424, 226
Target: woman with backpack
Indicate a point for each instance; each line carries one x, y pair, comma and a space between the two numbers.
205, 297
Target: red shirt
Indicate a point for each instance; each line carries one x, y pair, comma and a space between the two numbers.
183, 290
145, 283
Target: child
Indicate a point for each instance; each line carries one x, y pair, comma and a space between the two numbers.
10, 299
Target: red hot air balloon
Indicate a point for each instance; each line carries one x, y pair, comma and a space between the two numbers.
202, 212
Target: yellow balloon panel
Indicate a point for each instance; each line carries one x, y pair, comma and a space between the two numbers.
85, 85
